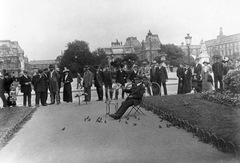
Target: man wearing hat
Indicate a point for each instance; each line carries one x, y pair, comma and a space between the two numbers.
87, 83
133, 74
40, 87
2, 91
197, 75
53, 79
121, 77
26, 88
161, 76
134, 98
107, 80
217, 69
153, 70
98, 82
7, 84
144, 71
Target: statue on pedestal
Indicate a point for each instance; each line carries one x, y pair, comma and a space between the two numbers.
203, 56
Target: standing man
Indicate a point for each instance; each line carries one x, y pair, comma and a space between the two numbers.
152, 71
133, 74
40, 85
45, 73
53, 78
98, 82
121, 77
79, 80
26, 88
87, 83
7, 84
180, 75
161, 77
197, 75
217, 69
2, 91
107, 80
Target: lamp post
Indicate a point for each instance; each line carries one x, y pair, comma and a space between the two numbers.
150, 43
188, 39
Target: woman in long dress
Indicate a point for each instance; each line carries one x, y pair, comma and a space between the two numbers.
206, 70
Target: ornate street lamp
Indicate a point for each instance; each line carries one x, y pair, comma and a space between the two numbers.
188, 43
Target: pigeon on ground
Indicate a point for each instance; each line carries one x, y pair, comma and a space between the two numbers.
134, 124
98, 119
89, 119
127, 118
161, 120
119, 120
160, 126
135, 116
126, 122
63, 128
105, 121
138, 118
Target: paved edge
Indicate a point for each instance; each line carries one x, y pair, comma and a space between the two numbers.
8, 135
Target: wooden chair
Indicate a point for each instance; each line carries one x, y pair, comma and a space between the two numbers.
79, 95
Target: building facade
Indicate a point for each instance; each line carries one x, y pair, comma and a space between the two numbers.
147, 49
41, 64
224, 45
12, 59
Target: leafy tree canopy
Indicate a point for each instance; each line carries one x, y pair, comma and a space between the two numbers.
78, 55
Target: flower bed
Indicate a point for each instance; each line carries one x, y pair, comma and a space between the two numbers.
212, 122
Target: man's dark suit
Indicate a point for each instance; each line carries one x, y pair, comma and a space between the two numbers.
98, 82
198, 71
26, 88
161, 77
217, 68
132, 75
121, 77
134, 98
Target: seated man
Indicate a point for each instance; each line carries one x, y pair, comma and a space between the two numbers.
135, 97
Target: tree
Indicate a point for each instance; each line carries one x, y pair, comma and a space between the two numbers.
175, 55
78, 55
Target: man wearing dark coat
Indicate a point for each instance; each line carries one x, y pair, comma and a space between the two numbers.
87, 82
98, 82
187, 79
121, 77
180, 75
107, 80
34, 83
134, 98
7, 84
67, 87
26, 88
40, 85
53, 80
153, 71
133, 74
2, 91
197, 75
217, 69
161, 77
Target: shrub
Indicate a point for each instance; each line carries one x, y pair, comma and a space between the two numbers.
232, 81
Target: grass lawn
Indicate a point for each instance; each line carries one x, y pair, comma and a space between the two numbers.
11, 120
222, 120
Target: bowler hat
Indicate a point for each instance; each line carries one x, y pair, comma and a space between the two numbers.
51, 66
86, 66
40, 71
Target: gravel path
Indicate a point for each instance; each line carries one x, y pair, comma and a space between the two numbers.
58, 133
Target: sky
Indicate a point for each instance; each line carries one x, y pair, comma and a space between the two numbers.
43, 28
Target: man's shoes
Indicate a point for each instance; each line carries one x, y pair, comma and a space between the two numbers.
44, 105
114, 116
37, 105
29, 105
98, 100
51, 103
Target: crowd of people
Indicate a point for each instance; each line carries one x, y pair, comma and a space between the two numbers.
203, 77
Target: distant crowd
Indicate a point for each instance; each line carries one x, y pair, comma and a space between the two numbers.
200, 78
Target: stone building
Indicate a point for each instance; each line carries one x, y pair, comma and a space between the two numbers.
148, 49
12, 58
223, 45
41, 64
